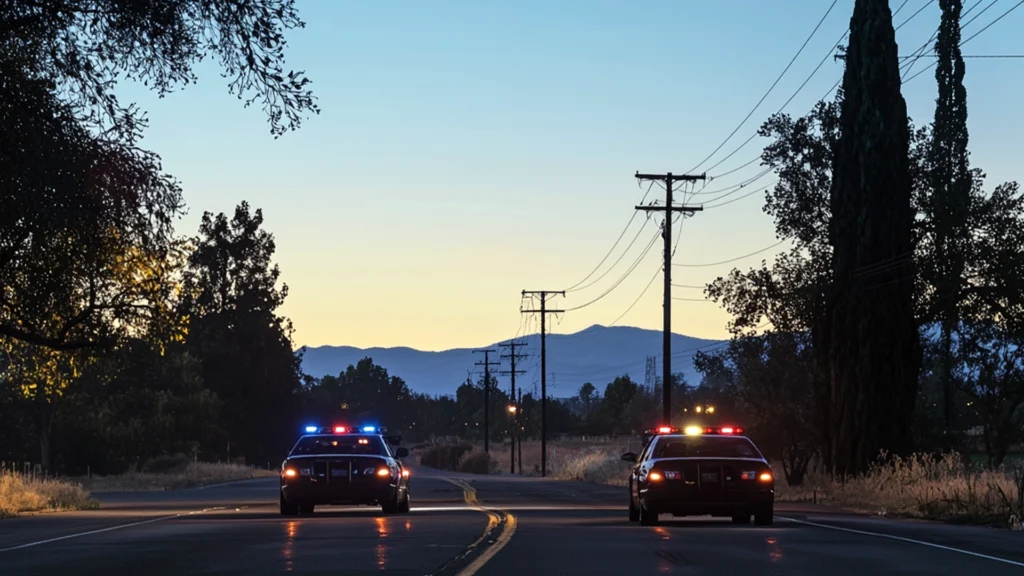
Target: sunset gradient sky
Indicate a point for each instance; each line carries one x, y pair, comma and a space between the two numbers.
468, 150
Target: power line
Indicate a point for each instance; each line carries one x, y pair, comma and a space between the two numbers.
736, 199
616, 263
621, 278
653, 278
731, 259
798, 91
612, 249
990, 24
920, 52
766, 94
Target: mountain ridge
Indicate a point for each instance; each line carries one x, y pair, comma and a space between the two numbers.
596, 354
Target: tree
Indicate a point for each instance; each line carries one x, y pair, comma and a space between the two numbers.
586, 396
81, 201
81, 48
874, 352
949, 204
617, 396
231, 298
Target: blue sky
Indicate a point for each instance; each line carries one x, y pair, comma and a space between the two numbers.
468, 150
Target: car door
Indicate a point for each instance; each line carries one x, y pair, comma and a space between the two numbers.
634, 475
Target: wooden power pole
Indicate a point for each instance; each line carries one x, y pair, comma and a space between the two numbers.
543, 311
666, 363
487, 394
512, 356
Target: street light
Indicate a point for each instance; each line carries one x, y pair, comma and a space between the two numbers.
512, 408
711, 410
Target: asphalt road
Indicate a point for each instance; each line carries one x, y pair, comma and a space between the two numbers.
463, 524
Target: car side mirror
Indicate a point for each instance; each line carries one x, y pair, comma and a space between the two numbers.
401, 452
629, 457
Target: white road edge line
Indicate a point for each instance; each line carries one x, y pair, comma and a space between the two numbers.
904, 539
107, 529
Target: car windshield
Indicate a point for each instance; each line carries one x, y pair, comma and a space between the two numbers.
354, 444
704, 447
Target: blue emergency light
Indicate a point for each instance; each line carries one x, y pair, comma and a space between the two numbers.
311, 429
369, 429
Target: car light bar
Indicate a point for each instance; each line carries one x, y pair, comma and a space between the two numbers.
693, 430
339, 429
662, 430
723, 430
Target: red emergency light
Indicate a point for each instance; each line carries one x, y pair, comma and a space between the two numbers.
340, 429
724, 430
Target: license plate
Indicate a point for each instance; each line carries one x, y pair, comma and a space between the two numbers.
709, 477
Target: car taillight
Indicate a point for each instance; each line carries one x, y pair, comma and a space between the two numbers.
305, 471
290, 473
382, 472
750, 475
654, 477
765, 477
405, 473
672, 475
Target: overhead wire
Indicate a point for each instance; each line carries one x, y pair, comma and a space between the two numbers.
770, 89
916, 55
755, 253
612, 249
616, 263
621, 278
975, 35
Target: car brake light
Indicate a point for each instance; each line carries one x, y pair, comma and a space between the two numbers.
290, 472
405, 473
765, 477
383, 472
654, 477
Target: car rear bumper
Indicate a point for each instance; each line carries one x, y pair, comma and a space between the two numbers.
714, 504
307, 491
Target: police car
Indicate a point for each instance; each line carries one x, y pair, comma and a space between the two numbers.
700, 471
345, 465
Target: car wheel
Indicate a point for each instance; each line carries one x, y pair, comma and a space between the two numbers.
741, 519
306, 508
648, 517
389, 506
634, 514
287, 508
405, 504
765, 516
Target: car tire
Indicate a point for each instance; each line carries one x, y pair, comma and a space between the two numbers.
390, 506
287, 508
634, 514
648, 517
741, 519
306, 508
405, 504
765, 516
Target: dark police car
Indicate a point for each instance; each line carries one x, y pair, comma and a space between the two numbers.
701, 471
343, 465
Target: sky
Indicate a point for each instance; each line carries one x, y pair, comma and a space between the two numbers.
469, 150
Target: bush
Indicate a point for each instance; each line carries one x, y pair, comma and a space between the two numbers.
192, 475
167, 464
478, 463
444, 456
27, 493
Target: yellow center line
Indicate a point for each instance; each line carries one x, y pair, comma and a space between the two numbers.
494, 518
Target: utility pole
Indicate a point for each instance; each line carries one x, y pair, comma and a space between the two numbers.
666, 233
519, 403
487, 393
512, 356
544, 294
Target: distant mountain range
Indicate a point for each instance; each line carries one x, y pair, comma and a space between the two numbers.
597, 354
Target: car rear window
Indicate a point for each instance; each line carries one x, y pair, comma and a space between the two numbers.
328, 445
704, 447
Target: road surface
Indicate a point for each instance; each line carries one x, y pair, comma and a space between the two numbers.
495, 525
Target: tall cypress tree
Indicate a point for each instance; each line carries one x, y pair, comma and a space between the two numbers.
874, 355
949, 202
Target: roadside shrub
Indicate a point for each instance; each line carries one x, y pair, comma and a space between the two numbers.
478, 463
25, 493
166, 464
444, 456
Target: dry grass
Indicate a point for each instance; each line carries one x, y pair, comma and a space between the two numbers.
20, 493
190, 475
921, 487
